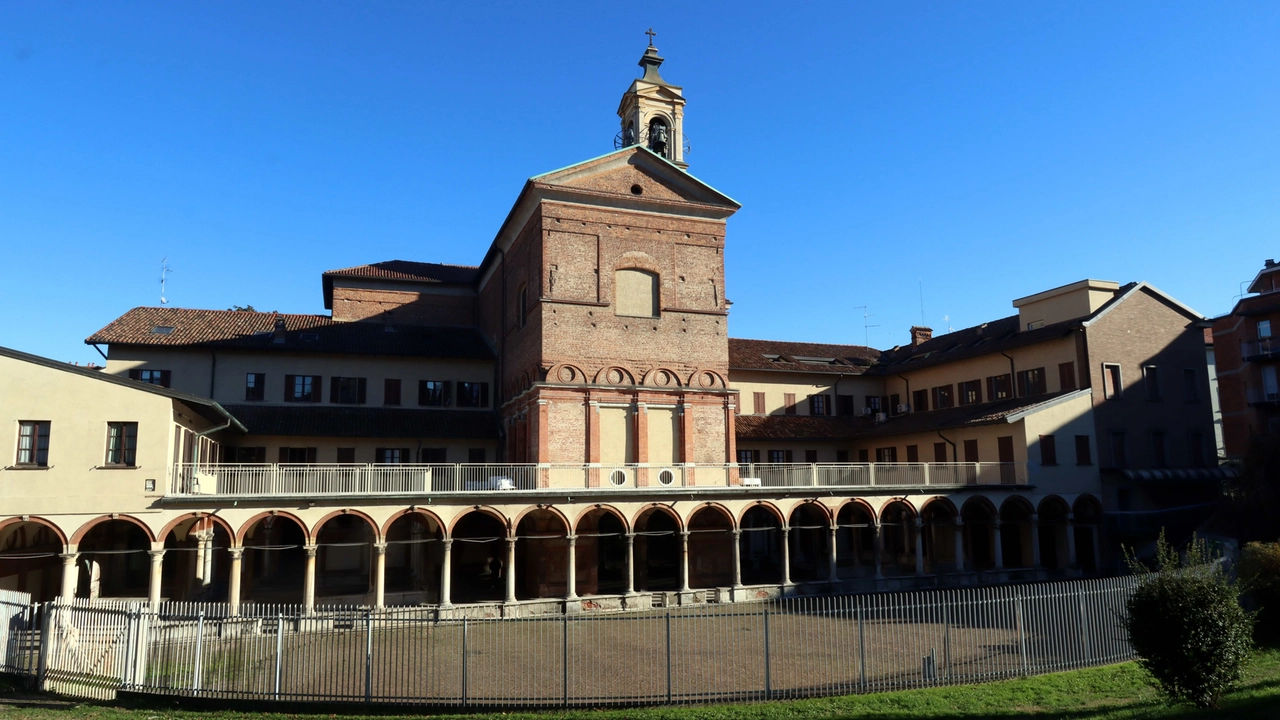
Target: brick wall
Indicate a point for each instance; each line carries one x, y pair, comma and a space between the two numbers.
403, 307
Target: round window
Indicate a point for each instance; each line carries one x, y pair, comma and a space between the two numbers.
618, 478
666, 477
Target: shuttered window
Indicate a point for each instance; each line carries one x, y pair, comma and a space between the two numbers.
347, 390
1048, 450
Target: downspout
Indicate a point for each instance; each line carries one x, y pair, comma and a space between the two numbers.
502, 358
954, 456
908, 395
213, 371
206, 433
1013, 376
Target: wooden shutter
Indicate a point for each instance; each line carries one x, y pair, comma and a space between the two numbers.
913, 453
288, 387
787, 455
1066, 376
390, 392
316, 395
311, 454
166, 378
422, 392
405, 457
283, 456
940, 452
333, 389
135, 374
971, 451
346, 455
380, 455
448, 393
1082, 450
863, 455
259, 454
759, 401
1048, 450
484, 395
361, 391
1004, 447
789, 403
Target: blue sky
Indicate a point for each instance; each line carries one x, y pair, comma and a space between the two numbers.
981, 151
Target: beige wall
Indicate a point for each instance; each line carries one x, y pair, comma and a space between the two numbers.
1073, 301
1047, 355
775, 385
456, 451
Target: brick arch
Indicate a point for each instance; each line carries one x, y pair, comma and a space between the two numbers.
62, 536
373, 525
566, 374
164, 533
733, 521
666, 509
485, 510
85, 528
940, 500
826, 511
661, 377
858, 502
782, 519
1050, 500
405, 513
1016, 502
1088, 506
639, 260
244, 528
983, 502
607, 375
703, 378
515, 522
605, 507
915, 512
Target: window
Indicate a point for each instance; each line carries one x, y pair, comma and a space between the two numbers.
844, 404
1190, 385
779, 457
297, 455
475, 455
33, 443
1119, 454
249, 455
811, 456
817, 404
346, 456
434, 393
789, 403
746, 457
432, 455
302, 388
1264, 329
1159, 457
970, 392
1048, 450
122, 444
863, 455
759, 402
151, 377
1083, 456
1151, 381
1000, 387
1066, 376
1112, 387
887, 454
1195, 449
390, 391
522, 305
873, 403
940, 452
913, 453
635, 293
895, 405
473, 394
346, 390
1031, 382
842, 456
920, 401
971, 451
391, 456
255, 387
943, 397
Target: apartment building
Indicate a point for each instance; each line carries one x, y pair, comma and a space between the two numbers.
1247, 358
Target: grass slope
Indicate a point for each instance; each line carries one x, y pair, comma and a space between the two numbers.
1117, 692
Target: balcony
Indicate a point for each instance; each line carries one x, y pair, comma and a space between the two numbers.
316, 480
1259, 397
1263, 349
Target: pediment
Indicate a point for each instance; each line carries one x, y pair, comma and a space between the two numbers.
622, 172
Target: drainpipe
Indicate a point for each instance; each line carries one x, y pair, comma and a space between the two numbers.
502, 358
908, 395
954, 456
213, 371
1013, 376
206, 433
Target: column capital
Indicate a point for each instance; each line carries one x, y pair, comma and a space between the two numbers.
572, 539
156, 555
737, 532
380, 548
919, 522
310, 550
631, 537
511, 541
236, 552
959, 522
1071, 516
448, 543
684, 534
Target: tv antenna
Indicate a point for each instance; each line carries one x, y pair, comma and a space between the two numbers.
164, 270
866, 328
947, 319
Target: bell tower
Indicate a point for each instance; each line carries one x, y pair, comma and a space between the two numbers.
652, 112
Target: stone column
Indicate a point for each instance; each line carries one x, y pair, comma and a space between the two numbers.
684, 561
879, 532
1097, 551
959, 545
379, 574
309, 579
446, 573
70, 574
1035, 540
157, 570
571, 581
737, 558
920, 547
786, 556
631, 563
831, 555
511, 570
233, 579
1071, 540
999, 546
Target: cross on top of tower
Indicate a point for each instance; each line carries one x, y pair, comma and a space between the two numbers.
651, 35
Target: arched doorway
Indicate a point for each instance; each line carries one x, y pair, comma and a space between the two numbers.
196, 564
979, 532
114, 561
939, 536
601, 553
898, 533
29, 559
1087, 520
810, 540
760, 546
1054, 526
542, 556
856, 540
479, 557
415, 557
657, 550
275, 563
710, 548
1015, 533
344, 559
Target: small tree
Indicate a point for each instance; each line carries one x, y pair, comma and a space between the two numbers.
1260, 577
1186, 624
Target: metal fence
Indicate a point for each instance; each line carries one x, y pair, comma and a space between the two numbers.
789, 648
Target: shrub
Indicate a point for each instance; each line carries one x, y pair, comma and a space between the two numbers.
1186, 624
1260, 577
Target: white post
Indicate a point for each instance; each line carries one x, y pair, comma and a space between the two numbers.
379, 574
684, 561
233, 581
1071, 540
786, 556
631, 563
995, 536
959, 545
879, 531
920, 546
1035, 540
511, 570
831, 556
309, 579
572, 575
737, 558
157, 570
445, 572
70, 574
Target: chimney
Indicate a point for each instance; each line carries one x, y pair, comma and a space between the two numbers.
1271, 263
277, 335
920, 335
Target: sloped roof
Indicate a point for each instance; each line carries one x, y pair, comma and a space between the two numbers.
247, 330
981, 414
366, 422
798, 427
207, 408
406, 271
800, 356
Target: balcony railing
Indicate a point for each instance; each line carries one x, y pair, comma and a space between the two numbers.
311, 480
1263, 349
1260, 396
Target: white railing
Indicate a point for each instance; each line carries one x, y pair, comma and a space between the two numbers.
356, 479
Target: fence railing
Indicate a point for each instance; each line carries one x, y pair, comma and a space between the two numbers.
1260, 349
269, 479
794, 647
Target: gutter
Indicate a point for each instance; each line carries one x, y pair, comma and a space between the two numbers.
206, 433
954, 456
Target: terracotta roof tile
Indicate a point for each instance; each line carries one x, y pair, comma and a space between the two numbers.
800, 356
411, 271
798, 427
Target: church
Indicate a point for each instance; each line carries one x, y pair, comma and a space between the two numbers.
569, 426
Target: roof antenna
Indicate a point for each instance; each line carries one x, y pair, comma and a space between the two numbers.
866, 329
164, 270
921, 281
947, 319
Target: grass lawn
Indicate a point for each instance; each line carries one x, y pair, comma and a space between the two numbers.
1117, 692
